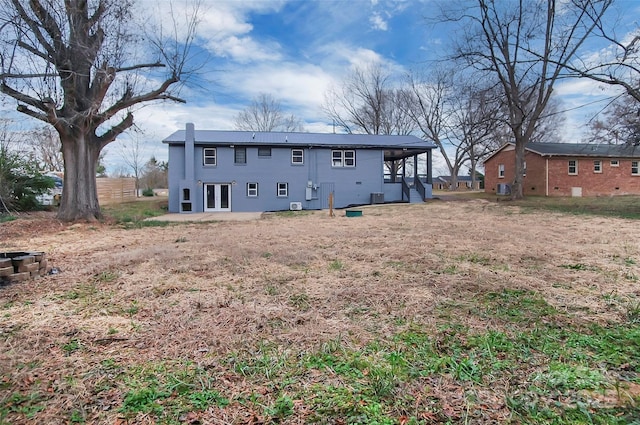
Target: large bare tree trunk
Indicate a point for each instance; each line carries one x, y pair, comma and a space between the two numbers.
517, 191
79, 194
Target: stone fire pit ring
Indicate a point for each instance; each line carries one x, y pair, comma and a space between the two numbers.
21, 266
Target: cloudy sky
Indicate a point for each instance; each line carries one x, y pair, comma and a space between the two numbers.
296, 50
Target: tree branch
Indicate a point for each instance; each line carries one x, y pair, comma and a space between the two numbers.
35, 26
20, 76
127, 101
23, 109
115, 131
34, 51
140, 66
21, 97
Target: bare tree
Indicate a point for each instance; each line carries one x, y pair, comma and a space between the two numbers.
367, 103
620, 123
45, 145
131, 155
427, 101
265, 114
154, 174
475, 116
618, 63
77, 65
525, 46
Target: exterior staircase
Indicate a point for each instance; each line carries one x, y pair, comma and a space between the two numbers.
414, 196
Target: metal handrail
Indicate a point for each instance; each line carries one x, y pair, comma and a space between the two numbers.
405, 189
420, 187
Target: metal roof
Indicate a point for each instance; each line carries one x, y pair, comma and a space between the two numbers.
447, 179
585, 149
250, 138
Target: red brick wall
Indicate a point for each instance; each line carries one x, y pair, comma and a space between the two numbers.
611, 181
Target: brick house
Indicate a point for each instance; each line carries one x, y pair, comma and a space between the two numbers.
464, 182
567, 169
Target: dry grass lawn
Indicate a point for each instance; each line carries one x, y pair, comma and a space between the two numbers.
131, 303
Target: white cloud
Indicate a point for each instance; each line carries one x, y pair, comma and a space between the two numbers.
377, 22
245, 49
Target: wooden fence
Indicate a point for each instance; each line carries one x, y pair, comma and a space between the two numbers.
111, 191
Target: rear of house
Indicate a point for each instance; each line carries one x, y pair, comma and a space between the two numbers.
272, 171
567, 169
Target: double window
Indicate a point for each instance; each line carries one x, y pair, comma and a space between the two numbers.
209, 156
635, 171
573, 167
283, 190
252, 190
597, 166
343, 158
297, 156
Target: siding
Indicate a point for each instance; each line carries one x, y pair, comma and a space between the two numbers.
352, 185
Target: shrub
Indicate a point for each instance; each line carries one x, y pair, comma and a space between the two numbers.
147, 192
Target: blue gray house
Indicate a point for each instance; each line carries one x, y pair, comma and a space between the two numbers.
273, 171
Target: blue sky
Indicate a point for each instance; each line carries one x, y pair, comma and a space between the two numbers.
296, 50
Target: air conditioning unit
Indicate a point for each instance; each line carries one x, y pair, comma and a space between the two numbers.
295, 206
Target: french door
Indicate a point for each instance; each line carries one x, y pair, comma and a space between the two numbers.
217, 197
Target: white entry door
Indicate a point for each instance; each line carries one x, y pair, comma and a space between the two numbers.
217, 197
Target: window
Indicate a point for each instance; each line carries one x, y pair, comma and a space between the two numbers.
501, 171
252, 190
634, 168
186, 194
209, 156
340, 158
264, 152
573, 167
524, 168
614, 163
597, 166
297, 156
283, 189
240, 155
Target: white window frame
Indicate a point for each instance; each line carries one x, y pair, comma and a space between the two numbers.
500, 171
282, 190
597, 166
614, 163
343, 158
252, 190
524, 168
297, 156
209, 154
575, 167
635, 168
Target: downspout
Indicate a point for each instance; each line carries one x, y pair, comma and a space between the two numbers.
546, 178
